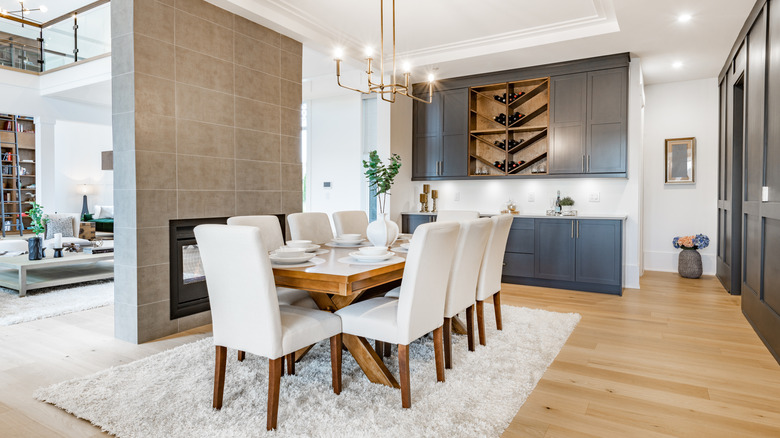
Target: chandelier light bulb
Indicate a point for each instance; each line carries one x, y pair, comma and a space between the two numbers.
338, 53
369, 51
407, 67
431, 77
684, 18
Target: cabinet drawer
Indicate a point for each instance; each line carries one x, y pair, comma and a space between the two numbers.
522, 224
518, 265
521, 241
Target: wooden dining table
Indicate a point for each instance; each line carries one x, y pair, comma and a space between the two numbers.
334, 285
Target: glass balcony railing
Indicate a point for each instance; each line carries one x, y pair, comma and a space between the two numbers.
72, 37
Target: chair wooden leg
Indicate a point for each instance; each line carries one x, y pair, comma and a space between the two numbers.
497, 306
241, 355
387, 349
335, 362
379, 347
282, 359
403, 367
470, 326
481, 321
447, 343
290, 359
274, 382
438, 350
220, 363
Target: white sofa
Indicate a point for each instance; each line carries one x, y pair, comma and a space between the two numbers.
75, 220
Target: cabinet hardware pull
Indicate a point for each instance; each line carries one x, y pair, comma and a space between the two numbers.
572, 229
583, 163
588, 163
578, 229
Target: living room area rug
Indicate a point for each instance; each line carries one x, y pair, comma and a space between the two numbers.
170, 393
54, 301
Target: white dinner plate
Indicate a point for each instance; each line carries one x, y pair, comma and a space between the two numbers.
352, 261
310, 248
312, 262
404, 236
359, 256
291, 260
348, 242
335, 244
399, 249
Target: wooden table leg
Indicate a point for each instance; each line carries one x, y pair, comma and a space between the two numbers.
369, 361
302, 352
458, 327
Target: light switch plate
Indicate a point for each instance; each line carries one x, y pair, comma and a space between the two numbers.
594, 197
765, 194
531, 197
457, 196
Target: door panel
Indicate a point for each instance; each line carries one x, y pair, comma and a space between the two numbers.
772, 265
427, 151
518, 265
568, 106
607, 120
554, 249
752, 272
521, 241
599, 251
454, 155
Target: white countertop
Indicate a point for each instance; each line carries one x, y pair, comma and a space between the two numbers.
542, 216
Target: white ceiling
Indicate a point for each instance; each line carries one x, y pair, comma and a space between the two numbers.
459, 37
56, 8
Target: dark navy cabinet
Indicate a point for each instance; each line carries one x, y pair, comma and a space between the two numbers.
554, 249
598, 251
441, 136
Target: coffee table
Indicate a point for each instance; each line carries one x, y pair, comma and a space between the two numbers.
22, 274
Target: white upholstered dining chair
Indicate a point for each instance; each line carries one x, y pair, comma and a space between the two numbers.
350, 222
469, 252
489, 284
456, 215
420, 306
271, 235
246, 315
310, 226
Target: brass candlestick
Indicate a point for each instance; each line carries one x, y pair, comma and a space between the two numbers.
434, 196
422, 202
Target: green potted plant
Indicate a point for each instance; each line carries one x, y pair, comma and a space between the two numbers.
567, 203
37, 226
382, 231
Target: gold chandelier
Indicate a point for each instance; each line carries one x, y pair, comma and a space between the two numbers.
391, 89
22, 10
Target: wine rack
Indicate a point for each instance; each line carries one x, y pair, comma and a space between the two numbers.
508, 125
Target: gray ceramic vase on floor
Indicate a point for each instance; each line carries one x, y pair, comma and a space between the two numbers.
689, 263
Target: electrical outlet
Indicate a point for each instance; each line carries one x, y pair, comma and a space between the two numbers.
531, 197
765, 194
594, 197
457, 196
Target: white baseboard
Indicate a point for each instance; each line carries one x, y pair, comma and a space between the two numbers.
666, 261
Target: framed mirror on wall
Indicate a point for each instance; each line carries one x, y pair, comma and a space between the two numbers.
680, 156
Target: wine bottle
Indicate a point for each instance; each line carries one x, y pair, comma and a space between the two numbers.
558, 203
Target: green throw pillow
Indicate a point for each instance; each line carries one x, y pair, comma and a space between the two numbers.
87, 217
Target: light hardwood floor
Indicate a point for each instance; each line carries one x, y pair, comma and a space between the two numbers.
676, 358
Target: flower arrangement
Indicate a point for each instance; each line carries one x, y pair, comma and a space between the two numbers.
699, 241
380, 176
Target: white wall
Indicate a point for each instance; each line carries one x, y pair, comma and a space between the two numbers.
674, 110
335, 153
21, 94
77, 160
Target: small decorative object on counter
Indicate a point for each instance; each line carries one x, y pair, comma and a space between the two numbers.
511, 207
383, 231
558, 203
434, 196
423, 201
689, 261
566, 206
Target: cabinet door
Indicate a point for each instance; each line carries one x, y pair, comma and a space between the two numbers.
454, 147
607, 121
599, 251
567, 123
410, 222
425, 161
554, 249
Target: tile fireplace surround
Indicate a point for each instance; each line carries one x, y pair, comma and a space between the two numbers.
206, 123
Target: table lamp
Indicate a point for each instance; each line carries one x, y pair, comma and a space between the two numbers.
84, 189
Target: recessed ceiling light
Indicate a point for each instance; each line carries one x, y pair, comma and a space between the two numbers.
677, 64
684, 18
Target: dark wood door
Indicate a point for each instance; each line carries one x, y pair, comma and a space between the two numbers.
599, 250
761, 203
607, 121
568, 96
454, 147
554, 244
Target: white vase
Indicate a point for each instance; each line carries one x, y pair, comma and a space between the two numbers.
566, 208
382, 232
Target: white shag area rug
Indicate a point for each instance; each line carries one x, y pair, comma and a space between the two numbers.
48, 302
169, 394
